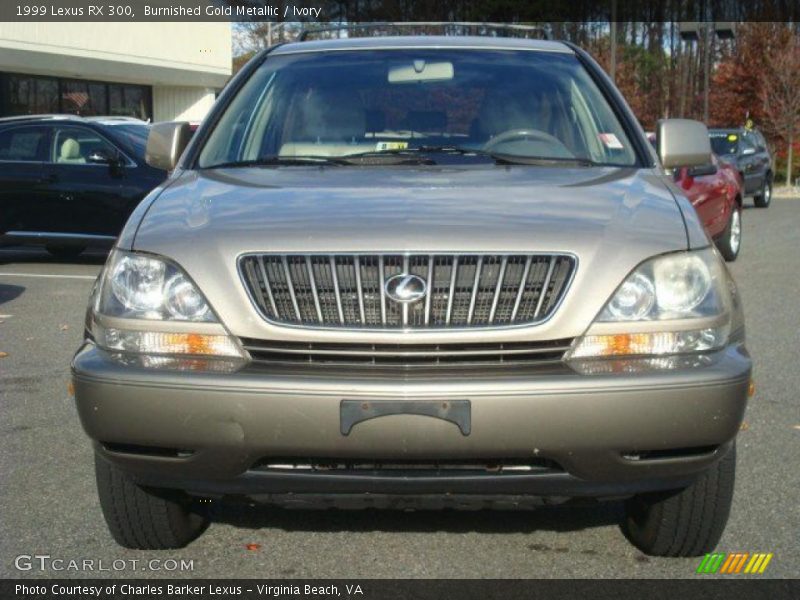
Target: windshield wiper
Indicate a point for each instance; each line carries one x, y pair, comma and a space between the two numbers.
452, 150
269, 161
415, 151
498, 157
518, 159
404, 156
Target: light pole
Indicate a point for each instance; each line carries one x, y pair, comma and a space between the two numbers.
691, 31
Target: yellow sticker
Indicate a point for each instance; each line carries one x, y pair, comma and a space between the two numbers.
733, 137
391, 146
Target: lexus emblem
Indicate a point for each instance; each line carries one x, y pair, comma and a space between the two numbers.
406, 288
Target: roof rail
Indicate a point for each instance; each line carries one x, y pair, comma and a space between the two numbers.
114, 118
70, 117
39, 117
449, 28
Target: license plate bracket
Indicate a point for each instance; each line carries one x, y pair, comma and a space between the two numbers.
353, 412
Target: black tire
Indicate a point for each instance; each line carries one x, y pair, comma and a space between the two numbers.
142, 518
764, 197
65, 251
686, 522
730, 242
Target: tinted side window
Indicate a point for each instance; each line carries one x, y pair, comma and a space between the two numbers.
27, 144
74, 145
724, 143
747, 143
761, 143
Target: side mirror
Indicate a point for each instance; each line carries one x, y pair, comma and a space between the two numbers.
165, 144
709, 169
682, 143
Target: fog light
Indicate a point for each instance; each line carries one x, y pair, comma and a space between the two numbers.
627, 366
179, 363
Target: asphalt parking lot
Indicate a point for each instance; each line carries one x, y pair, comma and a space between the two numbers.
49, 503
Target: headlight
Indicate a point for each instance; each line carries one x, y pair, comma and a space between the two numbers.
674, 286
141, 289
140, 286
634, 300
685, 295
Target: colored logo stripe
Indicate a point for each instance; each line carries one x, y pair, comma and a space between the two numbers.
734, 563
723, 563
758, 563
711, 563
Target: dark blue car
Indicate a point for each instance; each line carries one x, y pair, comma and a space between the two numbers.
746, 149
68, 181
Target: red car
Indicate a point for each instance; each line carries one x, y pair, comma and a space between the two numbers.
716, 194
715, 191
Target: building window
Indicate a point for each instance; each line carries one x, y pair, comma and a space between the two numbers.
31, 95
84, 98
128, 100
28, 94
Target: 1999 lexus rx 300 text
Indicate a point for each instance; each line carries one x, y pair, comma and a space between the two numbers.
404, 268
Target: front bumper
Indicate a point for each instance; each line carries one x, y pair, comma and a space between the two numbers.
609, 434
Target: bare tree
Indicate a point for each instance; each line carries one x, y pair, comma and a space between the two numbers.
781, 97
252, 36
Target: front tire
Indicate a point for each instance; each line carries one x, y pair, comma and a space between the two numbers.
764, 197
731, 240
686, 522
143, 518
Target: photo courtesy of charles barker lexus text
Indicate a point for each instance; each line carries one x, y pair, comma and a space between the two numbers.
332, 299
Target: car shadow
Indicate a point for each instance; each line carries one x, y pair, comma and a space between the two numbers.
38, 255
561, 518
10, 292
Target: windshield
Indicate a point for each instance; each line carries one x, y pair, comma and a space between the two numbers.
133, 136
536, 105
724, 142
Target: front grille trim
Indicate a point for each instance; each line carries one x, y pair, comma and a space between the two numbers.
543, 297
407, 355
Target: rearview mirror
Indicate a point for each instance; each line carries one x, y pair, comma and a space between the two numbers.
166, 143
682, 143
420, 71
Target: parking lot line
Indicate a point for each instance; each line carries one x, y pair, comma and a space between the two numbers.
48, 275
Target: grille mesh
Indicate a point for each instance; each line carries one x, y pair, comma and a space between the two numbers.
464, 290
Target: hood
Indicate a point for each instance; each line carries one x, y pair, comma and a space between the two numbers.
607, 217
299, 209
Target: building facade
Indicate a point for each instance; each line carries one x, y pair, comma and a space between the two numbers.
156, 71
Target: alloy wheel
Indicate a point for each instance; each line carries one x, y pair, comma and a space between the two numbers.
736, 231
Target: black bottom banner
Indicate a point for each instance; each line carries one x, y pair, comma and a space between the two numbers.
416, 589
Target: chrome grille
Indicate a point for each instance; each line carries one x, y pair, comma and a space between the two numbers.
463, 290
